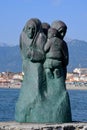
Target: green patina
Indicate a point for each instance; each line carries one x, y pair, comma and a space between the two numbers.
43, 96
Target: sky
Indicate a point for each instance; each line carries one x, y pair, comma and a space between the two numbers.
15, 13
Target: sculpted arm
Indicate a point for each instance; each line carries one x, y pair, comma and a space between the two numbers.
47, 46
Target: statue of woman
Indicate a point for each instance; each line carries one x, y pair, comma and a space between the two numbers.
33, 88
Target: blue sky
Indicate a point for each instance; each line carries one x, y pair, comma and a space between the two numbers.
15, 13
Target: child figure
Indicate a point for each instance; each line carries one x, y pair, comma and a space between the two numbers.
54, 54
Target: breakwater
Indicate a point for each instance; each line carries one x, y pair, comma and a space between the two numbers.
68, 86
30, 126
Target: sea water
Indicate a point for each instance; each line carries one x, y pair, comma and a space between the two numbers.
8, 98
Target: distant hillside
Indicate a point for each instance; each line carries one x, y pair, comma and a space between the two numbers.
77, 54
10, 59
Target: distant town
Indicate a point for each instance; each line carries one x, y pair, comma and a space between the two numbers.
78, 78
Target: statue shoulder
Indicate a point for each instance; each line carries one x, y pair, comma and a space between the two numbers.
42, 36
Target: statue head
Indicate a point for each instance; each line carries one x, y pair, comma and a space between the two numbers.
52, 32
61, 27
45, 27
32, 27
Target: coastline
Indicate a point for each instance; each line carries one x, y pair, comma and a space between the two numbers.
68, 87
10, 86
73, 87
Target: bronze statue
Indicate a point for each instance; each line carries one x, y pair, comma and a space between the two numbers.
55, 75
43, 96
32, 41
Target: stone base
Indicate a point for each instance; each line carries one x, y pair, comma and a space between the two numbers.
33, 126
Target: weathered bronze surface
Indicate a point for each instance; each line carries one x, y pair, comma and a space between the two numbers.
43, 96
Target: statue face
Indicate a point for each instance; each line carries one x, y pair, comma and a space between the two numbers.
52, 33
62, 32
30, 31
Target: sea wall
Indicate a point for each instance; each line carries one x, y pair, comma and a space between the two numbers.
29, 126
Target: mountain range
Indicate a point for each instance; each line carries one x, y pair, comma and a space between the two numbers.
77, 54
10, 58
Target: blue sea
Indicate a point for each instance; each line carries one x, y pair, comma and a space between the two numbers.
8, 98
